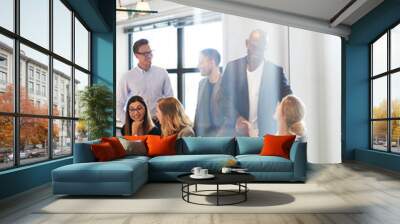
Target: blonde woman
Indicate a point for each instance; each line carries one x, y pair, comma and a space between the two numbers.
173, 119
290, 114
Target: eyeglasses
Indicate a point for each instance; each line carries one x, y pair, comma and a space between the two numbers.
146, 54
138, 109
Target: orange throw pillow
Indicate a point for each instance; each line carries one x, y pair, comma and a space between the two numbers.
161, 146
136, 137
103, 152
116, 145
277, 145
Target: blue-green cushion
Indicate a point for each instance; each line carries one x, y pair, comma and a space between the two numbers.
207, 145
111, 171
83, 153
185, 163
249, 145
257, 163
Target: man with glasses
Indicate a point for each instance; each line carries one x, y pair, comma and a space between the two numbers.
145, 80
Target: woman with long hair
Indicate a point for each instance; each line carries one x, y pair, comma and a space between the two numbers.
290, 114
137, 118
173, 119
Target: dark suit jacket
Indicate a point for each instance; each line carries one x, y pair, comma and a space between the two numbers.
208, 118
274, 86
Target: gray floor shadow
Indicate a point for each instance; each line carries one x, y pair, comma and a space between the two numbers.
255, 198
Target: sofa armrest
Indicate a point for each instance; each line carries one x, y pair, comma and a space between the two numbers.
298, 155
83, 152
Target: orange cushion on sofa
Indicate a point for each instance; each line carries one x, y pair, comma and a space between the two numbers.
116, 145
161, 146
103, 152
136, 137
277, 145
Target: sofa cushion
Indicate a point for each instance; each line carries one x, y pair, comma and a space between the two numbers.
207, 145
161, 145
103, 152
249, 145
116, 145
185, 163
257, 163
277, 145
111, 171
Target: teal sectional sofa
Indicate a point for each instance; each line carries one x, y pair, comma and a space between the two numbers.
125, 176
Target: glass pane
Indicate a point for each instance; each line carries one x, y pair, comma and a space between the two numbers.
7, 14
33, 139
81, 131
62, 89
34, 72
35, 21
6, 74
62, 29
195, 41
164, 55
395, 94
62, 138
379, 98
174, 83
395, 129
379, 55
395, 47
6, 142
81, 81
192, 81
379, 135
81, 45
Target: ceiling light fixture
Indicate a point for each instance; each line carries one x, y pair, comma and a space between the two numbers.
142, 8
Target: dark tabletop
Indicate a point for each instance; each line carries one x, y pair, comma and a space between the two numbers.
220, 178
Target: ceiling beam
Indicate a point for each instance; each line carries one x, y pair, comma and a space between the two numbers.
268, 15
346, 12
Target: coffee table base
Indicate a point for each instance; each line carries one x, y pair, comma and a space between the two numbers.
241, 191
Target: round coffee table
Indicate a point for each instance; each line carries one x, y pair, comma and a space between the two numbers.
238, 179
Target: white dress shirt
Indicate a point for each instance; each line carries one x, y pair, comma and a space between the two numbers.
254, 81
151, 85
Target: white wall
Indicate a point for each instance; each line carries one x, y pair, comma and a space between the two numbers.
315, 65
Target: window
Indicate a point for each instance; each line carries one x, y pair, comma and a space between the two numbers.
30, 72
6, 73
7, 14
45, 131
164, 55
35, 22
62, 74
385, 94
62, 29
3, 78
81, 45
30, 87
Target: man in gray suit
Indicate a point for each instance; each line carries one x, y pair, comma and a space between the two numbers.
207, 120
251, 88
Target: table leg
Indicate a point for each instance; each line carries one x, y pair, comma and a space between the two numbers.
217, 194
196, 188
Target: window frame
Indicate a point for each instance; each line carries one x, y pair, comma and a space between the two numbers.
388, 74
16, 114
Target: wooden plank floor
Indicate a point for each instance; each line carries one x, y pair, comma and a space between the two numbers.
354, 182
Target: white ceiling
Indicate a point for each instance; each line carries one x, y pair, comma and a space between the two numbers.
315, 15
318, 9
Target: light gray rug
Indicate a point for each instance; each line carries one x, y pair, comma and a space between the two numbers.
166, 198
